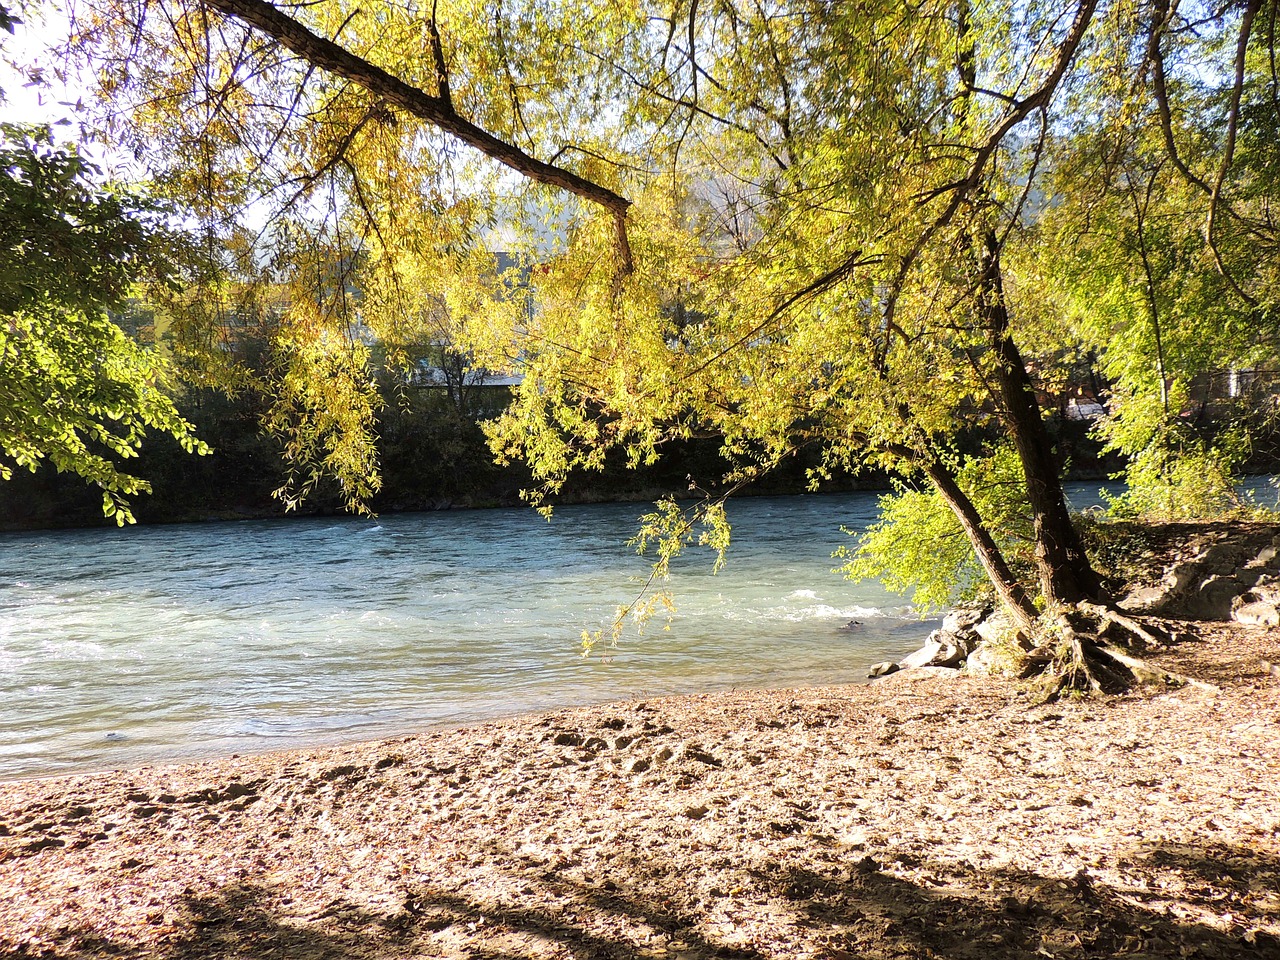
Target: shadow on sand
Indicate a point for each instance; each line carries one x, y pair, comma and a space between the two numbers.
852, 909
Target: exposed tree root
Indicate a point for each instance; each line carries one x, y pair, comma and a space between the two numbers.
1147, 672
1110, 615
1083, 659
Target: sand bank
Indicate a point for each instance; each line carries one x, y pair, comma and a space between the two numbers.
926, 815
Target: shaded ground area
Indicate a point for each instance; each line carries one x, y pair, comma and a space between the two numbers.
928, 815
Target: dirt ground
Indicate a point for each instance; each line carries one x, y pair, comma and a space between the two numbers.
927, 815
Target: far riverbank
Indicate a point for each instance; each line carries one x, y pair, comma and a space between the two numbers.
427, 462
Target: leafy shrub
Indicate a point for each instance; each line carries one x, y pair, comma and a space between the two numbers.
918, 546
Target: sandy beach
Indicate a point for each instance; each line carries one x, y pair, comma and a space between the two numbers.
926, 815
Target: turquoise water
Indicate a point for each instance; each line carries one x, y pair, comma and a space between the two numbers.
121, 647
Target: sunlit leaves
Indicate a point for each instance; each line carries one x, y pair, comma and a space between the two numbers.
75, 392
324, 412
65, 240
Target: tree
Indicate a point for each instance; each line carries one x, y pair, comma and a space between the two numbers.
1161, 250
872, 282
75, 391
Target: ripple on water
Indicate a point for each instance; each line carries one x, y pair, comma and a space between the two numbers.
186, 639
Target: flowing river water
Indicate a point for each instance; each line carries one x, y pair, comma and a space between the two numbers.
121, 647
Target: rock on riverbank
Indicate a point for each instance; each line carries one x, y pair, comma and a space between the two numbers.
1220, 572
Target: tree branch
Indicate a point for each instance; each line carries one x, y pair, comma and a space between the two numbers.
1160, 22
1228, 151
436, 110
1018, 111
437, 53
813, 289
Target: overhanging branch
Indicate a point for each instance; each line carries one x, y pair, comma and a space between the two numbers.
435, 110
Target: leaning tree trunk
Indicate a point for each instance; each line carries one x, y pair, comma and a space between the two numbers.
1066, 576
993, 563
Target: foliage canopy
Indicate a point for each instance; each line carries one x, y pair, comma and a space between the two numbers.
75, 390
883, 231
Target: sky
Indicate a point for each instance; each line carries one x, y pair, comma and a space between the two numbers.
27, 47
26, 103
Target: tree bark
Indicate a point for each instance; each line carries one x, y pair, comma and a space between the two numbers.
1066, 576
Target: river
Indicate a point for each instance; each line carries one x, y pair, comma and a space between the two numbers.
123, 647
120, 647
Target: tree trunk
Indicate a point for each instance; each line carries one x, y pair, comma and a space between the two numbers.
989, 555
1066, 576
